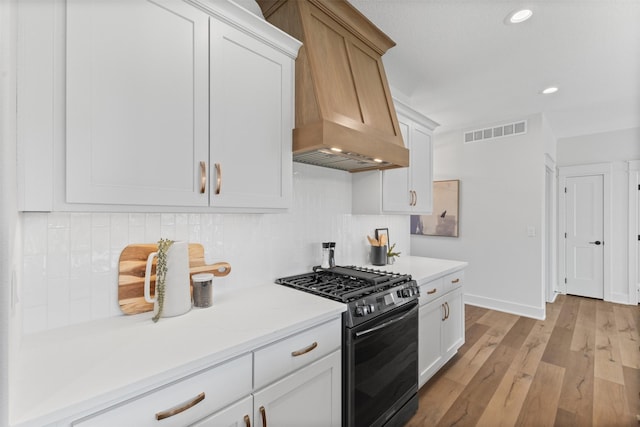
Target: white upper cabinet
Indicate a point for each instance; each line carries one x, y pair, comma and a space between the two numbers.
166, 105
251, 121
402, 190
137, 102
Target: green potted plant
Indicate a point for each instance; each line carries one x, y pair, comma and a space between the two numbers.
391, 255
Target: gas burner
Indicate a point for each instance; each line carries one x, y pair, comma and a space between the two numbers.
345, 284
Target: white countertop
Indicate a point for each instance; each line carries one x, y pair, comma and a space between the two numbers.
79, 368
422, 269
66, 371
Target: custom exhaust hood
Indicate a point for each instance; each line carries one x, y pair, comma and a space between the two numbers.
345, 118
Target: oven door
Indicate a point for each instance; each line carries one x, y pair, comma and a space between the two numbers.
381, 367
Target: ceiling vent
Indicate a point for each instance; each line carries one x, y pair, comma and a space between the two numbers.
494, 132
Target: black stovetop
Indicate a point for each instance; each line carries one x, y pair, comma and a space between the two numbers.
345, 284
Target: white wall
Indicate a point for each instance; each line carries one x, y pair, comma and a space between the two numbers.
8, 216
71, 259
616, 148
501, 195
621, 145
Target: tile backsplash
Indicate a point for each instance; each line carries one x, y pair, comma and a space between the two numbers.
70, 260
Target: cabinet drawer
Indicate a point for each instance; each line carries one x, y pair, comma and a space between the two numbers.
279, 359
431, 290
453, 280
219, 386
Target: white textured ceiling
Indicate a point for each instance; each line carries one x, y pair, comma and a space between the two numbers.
462, 66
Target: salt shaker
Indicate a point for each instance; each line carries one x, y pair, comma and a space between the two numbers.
325, 255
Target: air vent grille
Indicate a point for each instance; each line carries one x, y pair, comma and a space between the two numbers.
494, 132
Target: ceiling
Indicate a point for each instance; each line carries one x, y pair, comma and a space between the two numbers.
462, 66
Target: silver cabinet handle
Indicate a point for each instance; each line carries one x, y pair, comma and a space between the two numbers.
180, 408
304, 350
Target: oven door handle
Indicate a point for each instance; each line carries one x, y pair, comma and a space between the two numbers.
384, 325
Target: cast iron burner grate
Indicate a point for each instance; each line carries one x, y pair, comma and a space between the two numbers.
344, 284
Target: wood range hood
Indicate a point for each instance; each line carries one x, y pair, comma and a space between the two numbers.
345, 118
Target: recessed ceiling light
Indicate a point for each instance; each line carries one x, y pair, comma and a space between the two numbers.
377, 160
519, 16
549, 90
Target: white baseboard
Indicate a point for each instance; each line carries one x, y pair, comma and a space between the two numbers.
506, 306
620, 298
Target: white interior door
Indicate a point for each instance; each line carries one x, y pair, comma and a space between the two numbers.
584, 240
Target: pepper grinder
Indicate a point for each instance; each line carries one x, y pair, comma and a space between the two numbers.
332, 253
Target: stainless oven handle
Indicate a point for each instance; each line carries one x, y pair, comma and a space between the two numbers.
383, 325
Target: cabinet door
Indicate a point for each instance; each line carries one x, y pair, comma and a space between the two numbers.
137, 102
237, 415
430, 339
251, 121
453, 326
396, 182
421, 170
310, 397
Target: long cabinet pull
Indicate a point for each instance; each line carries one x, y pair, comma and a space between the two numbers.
415, 197
455, 281
447, 307
247, 421
444, 312
180, 408
432, 291
263, 413
218, 178
304, 350
203, 177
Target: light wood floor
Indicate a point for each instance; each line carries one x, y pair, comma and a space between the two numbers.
579, 367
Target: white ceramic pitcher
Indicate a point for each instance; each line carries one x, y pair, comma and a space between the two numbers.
177, 284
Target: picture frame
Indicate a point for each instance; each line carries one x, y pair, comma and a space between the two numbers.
445, 218
380, 232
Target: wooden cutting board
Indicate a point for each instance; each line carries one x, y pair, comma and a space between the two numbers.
131, 269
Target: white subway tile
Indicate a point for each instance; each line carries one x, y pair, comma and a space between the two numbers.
35, 234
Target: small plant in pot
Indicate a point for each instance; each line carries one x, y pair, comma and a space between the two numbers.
391, 255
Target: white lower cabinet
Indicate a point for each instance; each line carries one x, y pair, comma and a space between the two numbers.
441, 324
237, 415
183, 402
295, 381
310, 397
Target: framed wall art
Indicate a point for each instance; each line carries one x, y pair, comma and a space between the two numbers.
445, 219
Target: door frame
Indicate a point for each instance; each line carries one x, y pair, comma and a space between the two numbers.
634, 231
604, 169
550, 242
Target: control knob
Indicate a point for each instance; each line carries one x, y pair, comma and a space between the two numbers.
363, 310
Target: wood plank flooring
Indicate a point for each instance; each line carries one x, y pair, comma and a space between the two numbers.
579, 367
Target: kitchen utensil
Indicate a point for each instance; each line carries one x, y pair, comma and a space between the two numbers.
372, 241
132, 265
379, 255
177, 295
383, 240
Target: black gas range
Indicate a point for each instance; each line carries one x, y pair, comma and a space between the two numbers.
379, 340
